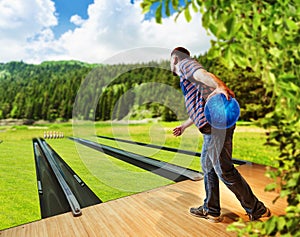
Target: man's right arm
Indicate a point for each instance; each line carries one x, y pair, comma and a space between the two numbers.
180, 129
213, 81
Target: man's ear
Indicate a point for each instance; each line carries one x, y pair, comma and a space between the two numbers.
175, 60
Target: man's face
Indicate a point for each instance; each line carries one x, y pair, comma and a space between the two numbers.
173, 62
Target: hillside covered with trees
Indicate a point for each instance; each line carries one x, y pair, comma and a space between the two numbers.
48, 91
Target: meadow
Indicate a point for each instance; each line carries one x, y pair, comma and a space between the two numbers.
108, 177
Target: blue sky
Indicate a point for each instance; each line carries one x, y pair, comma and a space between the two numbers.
91, 31
65, 11
67, 8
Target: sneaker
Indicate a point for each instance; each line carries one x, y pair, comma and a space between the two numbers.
200, 212
267, 213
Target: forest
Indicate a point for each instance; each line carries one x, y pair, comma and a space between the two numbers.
50, 90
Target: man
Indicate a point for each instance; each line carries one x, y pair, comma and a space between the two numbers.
198, 86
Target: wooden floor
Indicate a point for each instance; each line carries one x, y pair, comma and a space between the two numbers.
159, 212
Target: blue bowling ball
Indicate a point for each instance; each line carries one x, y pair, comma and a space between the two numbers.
220, 112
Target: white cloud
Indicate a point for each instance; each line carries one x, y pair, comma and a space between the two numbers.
77, 20
22, 22
112, 27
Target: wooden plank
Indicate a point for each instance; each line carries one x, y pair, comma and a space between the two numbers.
160, 212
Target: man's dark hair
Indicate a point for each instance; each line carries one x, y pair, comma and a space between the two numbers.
181, 53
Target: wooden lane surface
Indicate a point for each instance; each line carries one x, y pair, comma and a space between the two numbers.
160, 212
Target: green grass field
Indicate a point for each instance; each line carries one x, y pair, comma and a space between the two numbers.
108, 177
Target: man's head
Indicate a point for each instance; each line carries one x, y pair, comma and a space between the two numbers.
181, 53
177, 55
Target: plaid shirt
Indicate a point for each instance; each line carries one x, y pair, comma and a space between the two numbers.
195, 93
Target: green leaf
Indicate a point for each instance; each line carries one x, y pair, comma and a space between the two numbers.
264, 30
213, 28
246, 29
213, 53
292, 183
278, 38
158, 15
284, 193
175, 4
256, 21
270, 187
238, 49
228, 58
281, 223
229, 24
291, 209
278, 21
187, 14
240, 61
287, 76
270, 225
194, 6
291, 24
146, 7
275, 52
167, 8
271, 37
269, 76
205, 19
